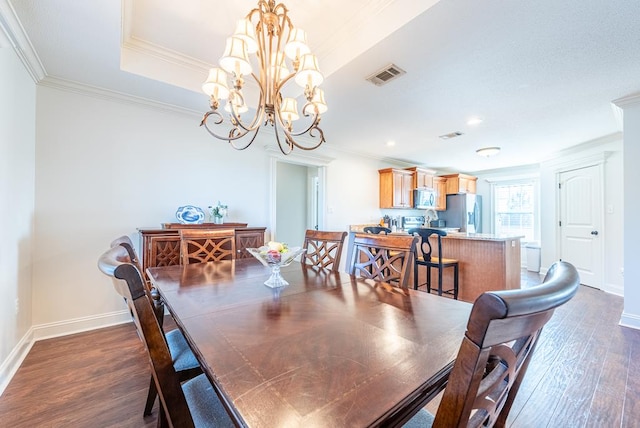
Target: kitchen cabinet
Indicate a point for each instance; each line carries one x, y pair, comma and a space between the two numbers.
396, 188
440, 184
460, 183
161, 246
422, 177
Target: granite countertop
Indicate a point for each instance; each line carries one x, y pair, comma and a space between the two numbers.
482, 236
450, 234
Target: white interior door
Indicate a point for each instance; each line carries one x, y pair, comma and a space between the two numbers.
581, 222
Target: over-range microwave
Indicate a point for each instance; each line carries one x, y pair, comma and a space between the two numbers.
424, 198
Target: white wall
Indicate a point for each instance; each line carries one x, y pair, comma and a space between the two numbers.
631, 314
105, 168
17, 162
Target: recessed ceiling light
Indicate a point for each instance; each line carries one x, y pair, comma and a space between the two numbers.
488, 151
474, 121
391, 143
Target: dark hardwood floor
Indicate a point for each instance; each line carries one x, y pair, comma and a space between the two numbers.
584, 373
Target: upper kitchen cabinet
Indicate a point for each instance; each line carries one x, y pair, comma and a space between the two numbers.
440, 184
422, 177
396, 188
460, 183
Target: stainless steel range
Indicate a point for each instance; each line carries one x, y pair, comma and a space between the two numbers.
410, 222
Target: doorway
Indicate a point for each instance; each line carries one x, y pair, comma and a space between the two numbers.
580, 222
297, 196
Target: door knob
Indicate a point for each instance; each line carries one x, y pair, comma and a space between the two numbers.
594, 232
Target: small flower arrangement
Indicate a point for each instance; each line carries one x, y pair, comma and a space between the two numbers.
219, 211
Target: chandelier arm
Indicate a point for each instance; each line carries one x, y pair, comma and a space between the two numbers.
257, 118
288, 139
219, 120
257, 9
233, 142
290, 134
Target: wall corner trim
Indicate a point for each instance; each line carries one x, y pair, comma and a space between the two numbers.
630, 320
10, 366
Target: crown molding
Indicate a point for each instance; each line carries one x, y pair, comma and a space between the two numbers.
153, 61
569, 163
628, 101
109, 95
16, 36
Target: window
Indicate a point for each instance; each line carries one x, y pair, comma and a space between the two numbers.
514, 207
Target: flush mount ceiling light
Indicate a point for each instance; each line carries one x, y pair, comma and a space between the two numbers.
450, 135
269, 36
488, 151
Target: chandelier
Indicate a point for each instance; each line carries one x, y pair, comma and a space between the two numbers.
279, 52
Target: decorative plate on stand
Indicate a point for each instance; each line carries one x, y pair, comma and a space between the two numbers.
189, 214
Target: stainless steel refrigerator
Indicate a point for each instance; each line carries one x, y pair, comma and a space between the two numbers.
463, 211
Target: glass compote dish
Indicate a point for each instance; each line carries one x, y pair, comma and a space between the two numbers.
276, 255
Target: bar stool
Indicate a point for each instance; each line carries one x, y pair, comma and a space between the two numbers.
430, 261
377, 230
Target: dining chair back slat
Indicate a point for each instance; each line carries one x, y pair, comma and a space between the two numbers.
385, 258
201, 246
324, 249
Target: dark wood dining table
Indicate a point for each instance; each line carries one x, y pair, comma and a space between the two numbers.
328, 350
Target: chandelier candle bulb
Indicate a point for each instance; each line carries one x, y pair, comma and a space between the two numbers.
266, 46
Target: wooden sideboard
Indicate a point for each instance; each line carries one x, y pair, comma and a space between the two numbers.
161, 246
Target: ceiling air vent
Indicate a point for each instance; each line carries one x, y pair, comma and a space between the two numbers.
386, 75
451, 135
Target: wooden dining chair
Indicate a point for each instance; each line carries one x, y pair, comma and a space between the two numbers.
502, 332
377, 230
201, 246
429, 260
324, 249
127, 244
184, 362
383, 257
193, 403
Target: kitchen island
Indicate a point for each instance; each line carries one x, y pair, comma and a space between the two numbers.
486, 262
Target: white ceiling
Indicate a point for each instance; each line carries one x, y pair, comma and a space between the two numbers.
542, 74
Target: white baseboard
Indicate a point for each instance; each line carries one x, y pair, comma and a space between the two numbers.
629, 320
616, 289
78, 325
10, 366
